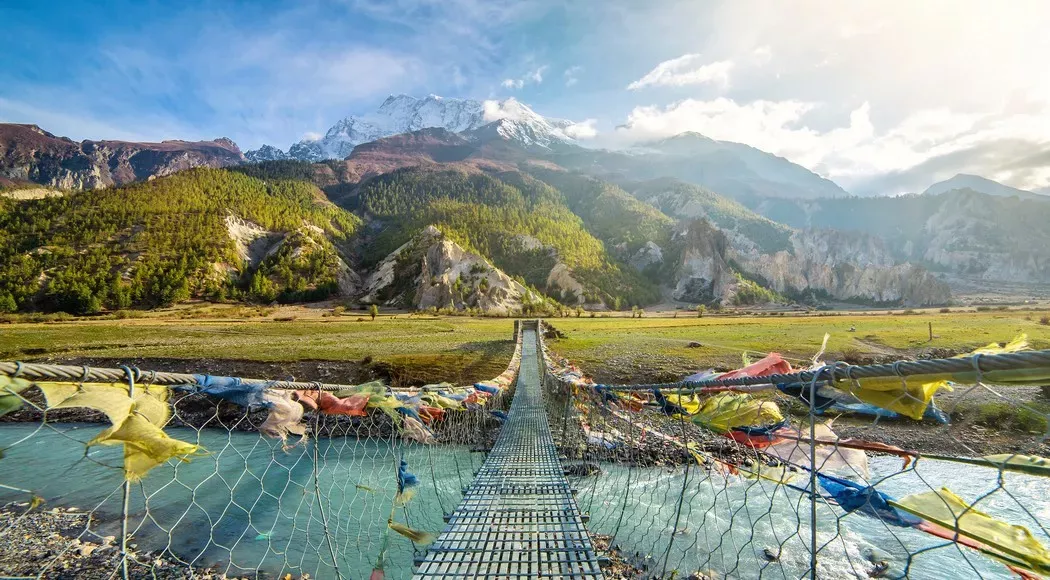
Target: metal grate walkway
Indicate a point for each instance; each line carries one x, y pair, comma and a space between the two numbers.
519, 518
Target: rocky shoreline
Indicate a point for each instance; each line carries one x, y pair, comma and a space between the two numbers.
57, 543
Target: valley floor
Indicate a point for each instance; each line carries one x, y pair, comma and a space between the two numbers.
612, 346
335, 345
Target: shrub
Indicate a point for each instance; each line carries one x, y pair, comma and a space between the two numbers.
1044, 320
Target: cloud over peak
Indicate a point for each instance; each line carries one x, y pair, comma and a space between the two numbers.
534, 76
686, 70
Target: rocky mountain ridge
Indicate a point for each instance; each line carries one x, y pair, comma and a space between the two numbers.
962, 233
28, 153
980, 184
398, 114
782, 244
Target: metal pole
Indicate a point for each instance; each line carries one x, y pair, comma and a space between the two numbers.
813, 478
127, 491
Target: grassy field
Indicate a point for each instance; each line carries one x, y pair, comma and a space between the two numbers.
432, 349
625, 349
614, 348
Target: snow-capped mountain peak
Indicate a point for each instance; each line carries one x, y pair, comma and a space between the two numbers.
404, 113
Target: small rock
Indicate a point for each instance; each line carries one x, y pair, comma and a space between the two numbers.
693, 344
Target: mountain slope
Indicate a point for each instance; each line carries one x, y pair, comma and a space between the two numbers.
982, 185
961, 232
207, 233
683, 200
804, 265
523, 225
32, 154
432, 271
732, 169
611, 214
399, 114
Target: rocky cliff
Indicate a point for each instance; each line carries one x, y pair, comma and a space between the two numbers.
28, 153
701, 273
846, 266
431, 271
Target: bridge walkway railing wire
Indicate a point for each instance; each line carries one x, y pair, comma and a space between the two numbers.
519, 518
830, 471
123, 473
922, 469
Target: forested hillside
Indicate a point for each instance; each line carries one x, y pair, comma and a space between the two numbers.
688, 201
523, 225
611, 213
159, 242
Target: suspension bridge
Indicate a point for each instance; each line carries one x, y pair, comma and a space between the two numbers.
519, 518
701, 478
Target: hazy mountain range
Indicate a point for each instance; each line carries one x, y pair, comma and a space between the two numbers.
489, 205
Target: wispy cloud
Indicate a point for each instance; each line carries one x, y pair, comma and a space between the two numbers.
929, 145
685, 70
265, 76
532, 77
571, 75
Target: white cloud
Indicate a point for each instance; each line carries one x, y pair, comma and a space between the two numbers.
586, 129
312, 136
686, 70
534, 76
944, 95
571, 75
853, 152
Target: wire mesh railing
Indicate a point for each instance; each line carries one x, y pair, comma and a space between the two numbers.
930, 469
923, 469
110, 473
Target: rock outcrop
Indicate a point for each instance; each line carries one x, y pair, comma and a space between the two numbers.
28, 153
648, 255
701, 273
431, 271
562, 280
846, 266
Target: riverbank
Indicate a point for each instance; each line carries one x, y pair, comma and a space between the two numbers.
56, 543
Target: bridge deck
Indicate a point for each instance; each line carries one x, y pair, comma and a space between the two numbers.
518, 519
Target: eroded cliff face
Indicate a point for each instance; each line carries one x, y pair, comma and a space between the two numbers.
701, 273
965, 237
847, 266
431, 271
28, 153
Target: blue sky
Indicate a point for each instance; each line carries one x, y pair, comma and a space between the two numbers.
882, 96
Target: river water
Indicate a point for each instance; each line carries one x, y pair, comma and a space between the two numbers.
250, 505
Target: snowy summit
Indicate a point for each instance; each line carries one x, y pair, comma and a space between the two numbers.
509, 119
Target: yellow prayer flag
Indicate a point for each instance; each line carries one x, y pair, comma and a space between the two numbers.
724, 411
950, 511
137, 421
689, 403
10, 400
909, 398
